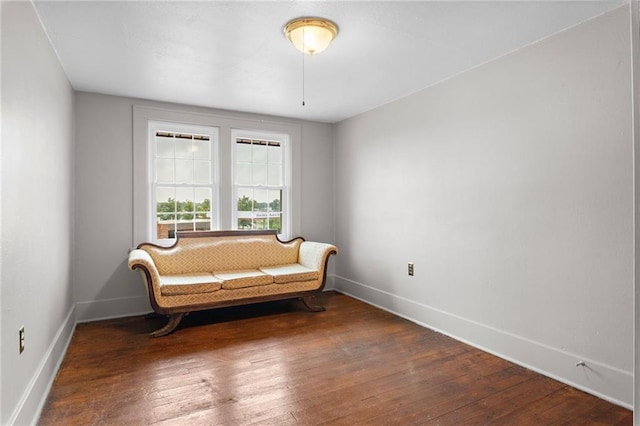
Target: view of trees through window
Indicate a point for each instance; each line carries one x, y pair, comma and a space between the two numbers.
184, 210
256, 214
175, 215
253, 214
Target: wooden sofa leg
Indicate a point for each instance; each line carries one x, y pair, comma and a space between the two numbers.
174, 320
313, 307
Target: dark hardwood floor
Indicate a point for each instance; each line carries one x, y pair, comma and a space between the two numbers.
278, 364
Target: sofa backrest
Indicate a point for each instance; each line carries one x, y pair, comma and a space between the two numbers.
210, 253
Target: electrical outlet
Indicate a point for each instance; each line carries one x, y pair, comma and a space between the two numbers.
410, 269
21, 338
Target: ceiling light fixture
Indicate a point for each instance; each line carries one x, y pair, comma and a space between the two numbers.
310, 35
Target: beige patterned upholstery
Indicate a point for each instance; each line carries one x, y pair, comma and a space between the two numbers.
199, 271
174, 285
223, 296
290, 273
241, 279
222, 254
313, 255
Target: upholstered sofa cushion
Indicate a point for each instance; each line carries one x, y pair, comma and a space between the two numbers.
174, 285
283, 274
241, 279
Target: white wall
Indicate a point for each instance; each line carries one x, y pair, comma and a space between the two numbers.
511, 188
104, 287
37, 212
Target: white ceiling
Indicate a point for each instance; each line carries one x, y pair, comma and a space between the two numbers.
233, 55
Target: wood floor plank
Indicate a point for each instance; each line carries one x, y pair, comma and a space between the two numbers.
278, 364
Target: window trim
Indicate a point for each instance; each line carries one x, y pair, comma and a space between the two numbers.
142, 114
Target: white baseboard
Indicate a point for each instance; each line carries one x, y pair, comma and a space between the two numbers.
603, 381
35, 395
95, 310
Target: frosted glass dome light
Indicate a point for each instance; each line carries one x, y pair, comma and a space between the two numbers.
311, 35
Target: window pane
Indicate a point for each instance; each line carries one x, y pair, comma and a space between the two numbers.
261, 198
275, 221
203, 204
243, 174
275, 174
201, 150
165, 210
202, 171
243, 152
275, 209
183, 225
183, 148
259, 153
245, 200
165, 199
244, 223
164, 147
265, 202
275, 200
184, 171
164, 171
203, 225
245, 208
259, 174
185, 203
275, 154
165, 227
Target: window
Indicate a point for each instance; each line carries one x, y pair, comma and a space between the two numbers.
173, 189
183, 181
261, 181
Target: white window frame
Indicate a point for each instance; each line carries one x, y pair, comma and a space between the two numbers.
164, 126
224, 122
285, 141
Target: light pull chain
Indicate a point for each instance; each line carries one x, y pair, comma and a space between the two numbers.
303, 66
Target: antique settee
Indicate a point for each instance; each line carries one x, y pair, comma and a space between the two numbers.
204, 270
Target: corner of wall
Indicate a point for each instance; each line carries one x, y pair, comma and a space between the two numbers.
334, 141
35, 395
635, 63
1, 144
120, 307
